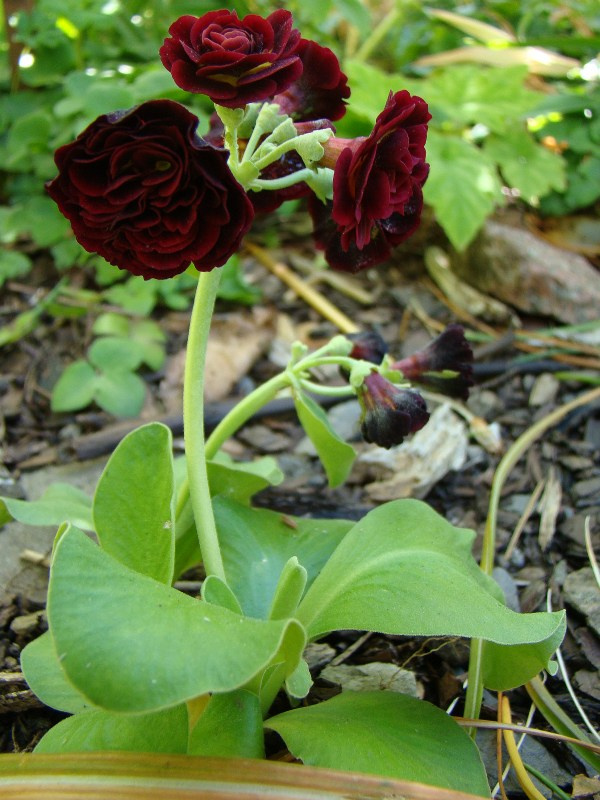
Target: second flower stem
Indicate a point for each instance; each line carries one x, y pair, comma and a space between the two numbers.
193, 422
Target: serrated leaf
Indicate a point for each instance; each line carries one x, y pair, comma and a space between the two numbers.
132, 644
463, 187
76, 387
384, 733
336, 455
525, 164
134, 503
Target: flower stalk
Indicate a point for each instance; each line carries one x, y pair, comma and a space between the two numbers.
193, 422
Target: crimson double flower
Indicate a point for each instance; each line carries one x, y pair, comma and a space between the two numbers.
142, 190
233, 61
377, 187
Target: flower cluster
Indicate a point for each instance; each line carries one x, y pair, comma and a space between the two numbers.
150, 194
390, 412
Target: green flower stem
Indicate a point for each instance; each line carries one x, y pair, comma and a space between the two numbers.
244, 410
282, 183
326, 391
193, 422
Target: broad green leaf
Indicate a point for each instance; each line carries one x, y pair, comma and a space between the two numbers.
115, 353
230, 725
526, 165
507, 667
371, 87
46, 678
403, 569
163, 731
75, 388
131, 644
61, 502
336, 455
120, 393
134, 503
463, 186
240, 480
384, 733
256, 544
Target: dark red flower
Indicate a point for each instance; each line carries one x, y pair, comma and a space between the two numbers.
233, 61
388, 412
142, 190
321, 90
377, 187
445, 365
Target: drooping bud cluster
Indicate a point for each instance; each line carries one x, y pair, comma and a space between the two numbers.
147, 192
389, 412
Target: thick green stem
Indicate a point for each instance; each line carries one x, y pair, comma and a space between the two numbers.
193, 422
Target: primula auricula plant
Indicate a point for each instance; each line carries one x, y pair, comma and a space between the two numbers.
141, 666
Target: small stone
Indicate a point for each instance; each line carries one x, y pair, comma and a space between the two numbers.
376, 676
544, 390
587, 681
583, 593
586, 488
317, 655
27, 623
576, 463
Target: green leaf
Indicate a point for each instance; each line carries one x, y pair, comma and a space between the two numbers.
46, 678
462, 187
299, 682
256, 544
134, 295
75, 388
403, 569
233, 285
290, 588
470, 94
112, 324
217, 592
230, 726
336, 455
384, 733
526, 165
61, 502
240, 480
120, 393
131, 644
14, 265
163, 731
134, 503
115, 353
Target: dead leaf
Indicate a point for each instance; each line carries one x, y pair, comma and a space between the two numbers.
376, 676
549, 506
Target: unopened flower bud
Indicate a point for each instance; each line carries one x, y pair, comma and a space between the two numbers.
445, 365
388, 412
367, 346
